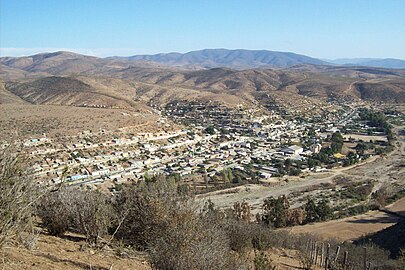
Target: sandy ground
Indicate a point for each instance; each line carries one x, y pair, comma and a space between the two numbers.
33, 120
53, 253
365, 138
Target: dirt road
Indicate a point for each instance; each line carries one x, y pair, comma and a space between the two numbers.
384, 170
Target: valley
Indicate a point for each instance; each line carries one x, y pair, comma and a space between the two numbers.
230, 134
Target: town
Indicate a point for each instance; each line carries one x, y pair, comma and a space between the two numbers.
217, 148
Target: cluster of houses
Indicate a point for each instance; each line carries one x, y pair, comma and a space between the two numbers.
240, 139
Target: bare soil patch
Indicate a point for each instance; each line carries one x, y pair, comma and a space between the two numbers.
32, 120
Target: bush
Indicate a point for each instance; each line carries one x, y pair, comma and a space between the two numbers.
17, 197
263, 262
189, 243
157, 217
305, 261
239, 234
55, 211
87, 212
92, 214
146, 210
262, 237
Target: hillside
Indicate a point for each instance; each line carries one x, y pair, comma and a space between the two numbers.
7, 97
63, 63
391, 238
76, 91
308, 81
65, 78
71, 252
68, 253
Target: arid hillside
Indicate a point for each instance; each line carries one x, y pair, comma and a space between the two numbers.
75, 91
91, 79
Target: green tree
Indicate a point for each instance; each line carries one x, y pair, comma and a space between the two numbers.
311, 211
317, 212
323, 210
337, 142
230, 174
275, 211
210, 130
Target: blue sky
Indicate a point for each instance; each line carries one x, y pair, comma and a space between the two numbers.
319, 28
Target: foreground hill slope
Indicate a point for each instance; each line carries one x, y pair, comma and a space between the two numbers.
73, 253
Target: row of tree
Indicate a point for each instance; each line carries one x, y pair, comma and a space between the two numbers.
377, 120
277, 212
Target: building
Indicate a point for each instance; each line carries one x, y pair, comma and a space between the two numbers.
315, 148
292, 150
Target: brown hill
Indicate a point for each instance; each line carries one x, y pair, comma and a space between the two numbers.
6, 97
148, 82
64, 63
389, 91
76, 91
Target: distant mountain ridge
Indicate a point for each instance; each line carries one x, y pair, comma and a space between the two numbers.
236, 59
239, 59
370, 62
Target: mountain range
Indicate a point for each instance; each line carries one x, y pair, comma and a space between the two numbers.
208, 58
229, 77
236, 59
370, 62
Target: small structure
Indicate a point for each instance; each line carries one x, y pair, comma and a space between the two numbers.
315, 148
292, 150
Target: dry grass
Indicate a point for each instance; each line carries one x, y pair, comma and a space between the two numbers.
24, 121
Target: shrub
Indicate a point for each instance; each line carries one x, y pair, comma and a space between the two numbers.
189, 243
17, 196
275, 211
158, 218
263, 262
92, 214
87, 212
55, 211
146, 211
262, 237
305, 261
239, 234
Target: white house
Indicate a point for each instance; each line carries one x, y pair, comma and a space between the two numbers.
293, 150
316, 148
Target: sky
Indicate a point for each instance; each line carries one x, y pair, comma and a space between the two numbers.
326, 29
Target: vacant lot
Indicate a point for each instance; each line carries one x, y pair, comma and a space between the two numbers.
365, 138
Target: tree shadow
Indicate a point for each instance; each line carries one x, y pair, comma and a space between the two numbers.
73, 238
376, 220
